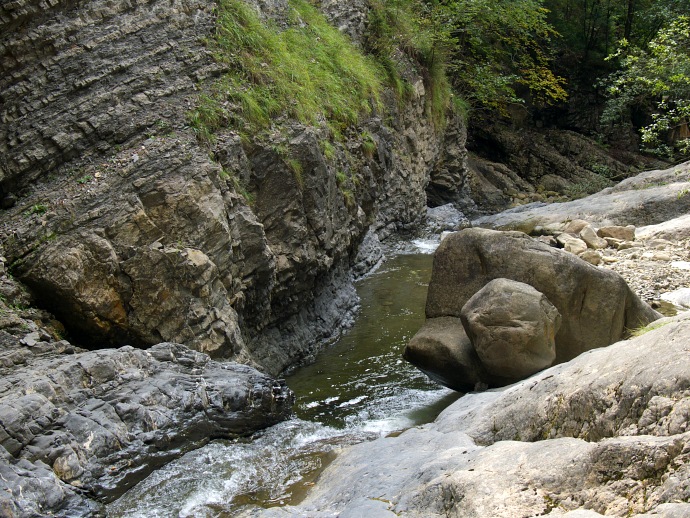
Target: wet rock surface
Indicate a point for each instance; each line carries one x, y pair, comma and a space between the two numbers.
603, 434
89, 425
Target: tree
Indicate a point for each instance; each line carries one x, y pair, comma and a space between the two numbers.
499, 53
658, 73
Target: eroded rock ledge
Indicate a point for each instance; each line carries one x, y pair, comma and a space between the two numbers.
78, 429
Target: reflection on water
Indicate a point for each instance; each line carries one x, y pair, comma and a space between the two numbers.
358, 389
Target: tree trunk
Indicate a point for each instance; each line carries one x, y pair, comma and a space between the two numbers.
629, 19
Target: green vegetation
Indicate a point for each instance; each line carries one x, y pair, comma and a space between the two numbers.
38, 209
328, 150
309, 71
636, 53
657, 75
501, 53
297, 171
368, 144
594, 183
646, 329
478, 58
416, 29
340, 178
237, 185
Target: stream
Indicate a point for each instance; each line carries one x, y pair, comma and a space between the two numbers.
358, 389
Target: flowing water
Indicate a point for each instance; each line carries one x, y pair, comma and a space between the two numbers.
358, 389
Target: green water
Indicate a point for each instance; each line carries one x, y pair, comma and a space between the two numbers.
361, 377
358, 389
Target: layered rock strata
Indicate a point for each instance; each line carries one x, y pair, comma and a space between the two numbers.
131, 232
78, 429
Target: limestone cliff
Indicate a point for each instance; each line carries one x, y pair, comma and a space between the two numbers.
133, 232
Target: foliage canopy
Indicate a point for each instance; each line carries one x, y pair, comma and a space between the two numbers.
500, 53
658, 73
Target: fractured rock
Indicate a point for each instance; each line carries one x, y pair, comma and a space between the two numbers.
102, 420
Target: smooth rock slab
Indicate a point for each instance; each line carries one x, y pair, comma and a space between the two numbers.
604, 434
512, 327
103, 420
649, 198
679, 297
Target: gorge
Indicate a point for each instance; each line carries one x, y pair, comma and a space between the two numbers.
170, 245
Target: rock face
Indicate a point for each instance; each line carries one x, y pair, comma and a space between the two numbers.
649, 198
604, 434
596, 306
511, 165
512, 327
131, 232
91, 424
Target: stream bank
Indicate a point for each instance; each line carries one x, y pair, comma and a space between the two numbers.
358, 389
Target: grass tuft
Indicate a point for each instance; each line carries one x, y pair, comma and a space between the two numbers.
309, 71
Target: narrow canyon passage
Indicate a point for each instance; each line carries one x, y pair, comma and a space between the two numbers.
358, 389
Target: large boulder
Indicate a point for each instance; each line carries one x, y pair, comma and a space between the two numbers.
603, 435
512, 327
597, 307
442, 350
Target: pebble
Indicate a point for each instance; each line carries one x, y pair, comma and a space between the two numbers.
649, 272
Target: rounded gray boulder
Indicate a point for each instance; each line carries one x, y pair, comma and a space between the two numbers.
512, 327
596, 305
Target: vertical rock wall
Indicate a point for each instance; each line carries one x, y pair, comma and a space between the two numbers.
131, 232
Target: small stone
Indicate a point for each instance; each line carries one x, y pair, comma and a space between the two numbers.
592, 257
661, 256
575, 226
31, 339
659, 244
618, 232
613, 242
571, 243
625, 245
589, 236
